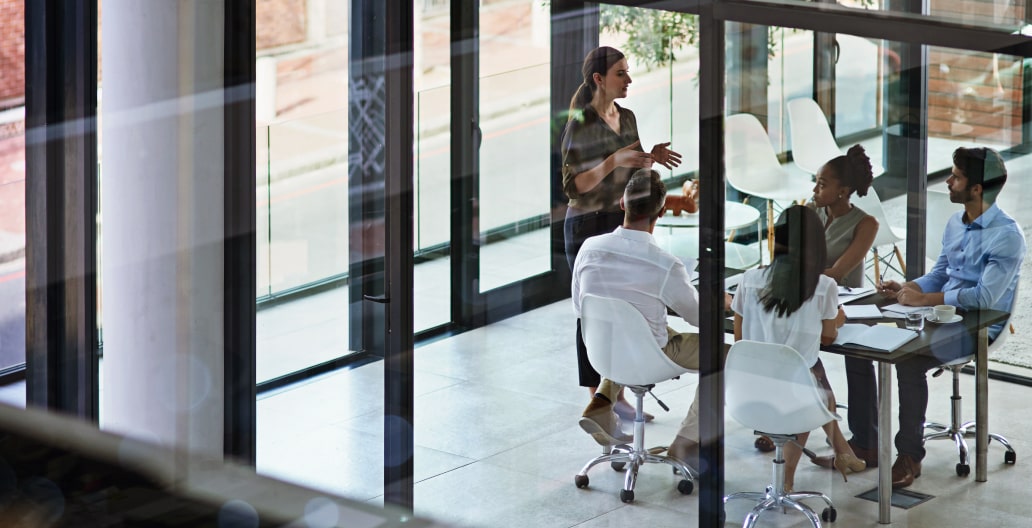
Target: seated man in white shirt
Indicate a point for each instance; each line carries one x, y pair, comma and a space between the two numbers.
628, 264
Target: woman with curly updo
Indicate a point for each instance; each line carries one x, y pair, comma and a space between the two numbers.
848, 230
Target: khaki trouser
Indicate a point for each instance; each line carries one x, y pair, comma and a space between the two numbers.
682, 349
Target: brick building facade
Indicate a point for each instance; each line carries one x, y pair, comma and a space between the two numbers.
12, 53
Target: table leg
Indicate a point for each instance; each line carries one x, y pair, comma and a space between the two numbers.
982, 405
759, 240
884, 442
770, 229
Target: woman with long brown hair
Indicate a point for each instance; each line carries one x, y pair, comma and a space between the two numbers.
600, 150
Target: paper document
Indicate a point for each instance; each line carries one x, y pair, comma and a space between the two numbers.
846, 290
861, 311
899, 308
878, 337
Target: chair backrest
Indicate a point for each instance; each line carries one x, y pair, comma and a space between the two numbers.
872, 205
769, 388
813, 144
620, 343
939, 209
751, 165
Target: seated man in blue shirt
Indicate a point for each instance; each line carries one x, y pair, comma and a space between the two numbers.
982, 251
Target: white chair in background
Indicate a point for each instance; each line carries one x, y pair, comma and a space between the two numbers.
769, 388
752, 167
887, 234
938, 210
622, 349
813, 144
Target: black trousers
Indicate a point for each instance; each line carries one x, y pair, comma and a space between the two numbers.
578, 227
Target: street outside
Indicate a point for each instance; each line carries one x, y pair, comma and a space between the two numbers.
301, 188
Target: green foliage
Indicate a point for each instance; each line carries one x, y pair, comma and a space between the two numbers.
653, 35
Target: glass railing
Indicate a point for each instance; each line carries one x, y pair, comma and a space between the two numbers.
302, 202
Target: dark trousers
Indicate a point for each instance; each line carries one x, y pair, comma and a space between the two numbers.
912, 380
578, 227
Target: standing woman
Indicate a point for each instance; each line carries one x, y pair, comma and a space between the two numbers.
601, 149
792, 302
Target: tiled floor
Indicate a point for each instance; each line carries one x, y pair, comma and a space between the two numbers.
497, 442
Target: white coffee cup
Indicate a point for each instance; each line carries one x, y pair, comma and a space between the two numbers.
944, 312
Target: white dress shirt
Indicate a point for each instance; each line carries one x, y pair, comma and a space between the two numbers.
628, 264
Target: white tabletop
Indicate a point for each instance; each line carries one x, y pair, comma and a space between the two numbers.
736, 216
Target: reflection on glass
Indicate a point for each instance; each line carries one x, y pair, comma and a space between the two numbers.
790, 72
432, 204
514, 176
856, 84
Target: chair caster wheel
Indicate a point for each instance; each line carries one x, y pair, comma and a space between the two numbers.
627, 496
829, 515
963, 470
685, 487
618, 466
581, 481
1010, 457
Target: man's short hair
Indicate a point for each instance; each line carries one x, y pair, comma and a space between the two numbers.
982, 166
644, 196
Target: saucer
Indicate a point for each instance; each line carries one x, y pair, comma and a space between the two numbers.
956, 319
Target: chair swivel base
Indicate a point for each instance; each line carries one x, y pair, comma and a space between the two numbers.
628, 458
958, 433
770, 500
775, 496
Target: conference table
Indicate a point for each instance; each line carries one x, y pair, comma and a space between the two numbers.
942, 341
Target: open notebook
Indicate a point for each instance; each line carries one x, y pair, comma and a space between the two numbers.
878, 337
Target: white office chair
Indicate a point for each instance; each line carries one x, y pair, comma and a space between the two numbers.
938, 210
957, 430
887, 234
753, 168
769, 388
622, 349
813, 144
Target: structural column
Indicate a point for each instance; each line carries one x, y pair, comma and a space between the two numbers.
164, 231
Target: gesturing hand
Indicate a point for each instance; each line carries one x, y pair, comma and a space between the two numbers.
635, 159
664, 156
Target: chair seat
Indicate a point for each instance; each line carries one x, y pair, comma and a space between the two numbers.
620, 343
963, 360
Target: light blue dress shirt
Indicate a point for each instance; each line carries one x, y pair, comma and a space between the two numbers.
980, 263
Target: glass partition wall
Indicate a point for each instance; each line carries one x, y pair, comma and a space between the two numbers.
507, 222
489, 80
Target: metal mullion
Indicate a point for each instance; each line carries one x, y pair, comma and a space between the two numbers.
61, 206
465, 145
399, 369
240, 228
711, 265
